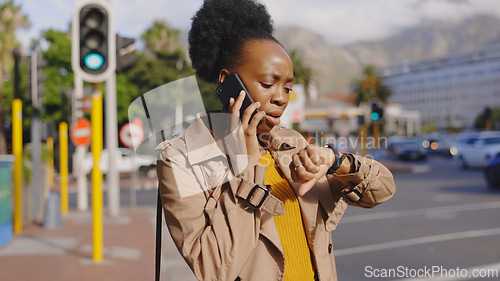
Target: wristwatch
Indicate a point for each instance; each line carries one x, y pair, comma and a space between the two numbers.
338, 160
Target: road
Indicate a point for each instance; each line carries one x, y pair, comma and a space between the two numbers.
444, 223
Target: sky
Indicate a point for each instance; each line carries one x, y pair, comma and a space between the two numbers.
338, 21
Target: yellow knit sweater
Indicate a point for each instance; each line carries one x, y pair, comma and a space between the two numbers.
298, 263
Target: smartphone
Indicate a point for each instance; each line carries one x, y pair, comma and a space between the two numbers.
231, 88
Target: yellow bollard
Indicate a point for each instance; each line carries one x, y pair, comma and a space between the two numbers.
96, 148
17, 151
50, 161
363, 132
63, 165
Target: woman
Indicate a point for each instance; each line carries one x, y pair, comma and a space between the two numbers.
256, 223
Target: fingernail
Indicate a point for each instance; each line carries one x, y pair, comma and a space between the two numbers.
242, 93
231, 100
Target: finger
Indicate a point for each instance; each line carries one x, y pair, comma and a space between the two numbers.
254, 123
235, 108
306, 160
314, 154
247, 114
300, 169
305, 187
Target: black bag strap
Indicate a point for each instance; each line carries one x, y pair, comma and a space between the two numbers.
158, 237
159, 210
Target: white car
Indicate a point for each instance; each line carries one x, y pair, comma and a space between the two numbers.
476, 149
127, 161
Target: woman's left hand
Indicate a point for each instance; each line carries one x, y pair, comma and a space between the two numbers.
309, 165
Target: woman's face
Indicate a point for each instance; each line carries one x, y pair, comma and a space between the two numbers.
267, 72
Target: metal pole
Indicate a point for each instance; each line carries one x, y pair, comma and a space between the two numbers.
17, 146
133, 184
363, 134
17, 150
63, 165
96, 147
50, 161
376, 135
112, 147
81, 178
36, 140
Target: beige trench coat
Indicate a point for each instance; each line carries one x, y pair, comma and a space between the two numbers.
219, 233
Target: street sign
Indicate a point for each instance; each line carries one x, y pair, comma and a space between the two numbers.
131, 134
80, 132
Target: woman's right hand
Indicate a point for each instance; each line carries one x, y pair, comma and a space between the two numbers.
246, 129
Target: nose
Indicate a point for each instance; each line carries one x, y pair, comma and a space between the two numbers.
279, 97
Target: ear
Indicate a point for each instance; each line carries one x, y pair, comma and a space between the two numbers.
223, 74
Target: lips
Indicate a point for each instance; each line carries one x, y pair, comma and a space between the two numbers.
274, 117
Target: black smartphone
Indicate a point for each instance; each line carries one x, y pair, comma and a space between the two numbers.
231, 88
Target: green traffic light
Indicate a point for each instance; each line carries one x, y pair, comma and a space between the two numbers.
375, 116
94, 61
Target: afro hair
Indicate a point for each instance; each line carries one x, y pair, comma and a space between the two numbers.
219, 30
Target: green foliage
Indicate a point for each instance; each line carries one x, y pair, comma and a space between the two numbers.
480, 122
165, 61
59, 75
302, 74
429, 128
11, 19
370, 86
126, 92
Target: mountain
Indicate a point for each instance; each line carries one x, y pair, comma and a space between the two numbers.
332, 66
428, 40
336, 66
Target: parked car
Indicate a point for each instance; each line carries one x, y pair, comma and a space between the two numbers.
127, 161
492, 172
439, 145
476, 149
406, 150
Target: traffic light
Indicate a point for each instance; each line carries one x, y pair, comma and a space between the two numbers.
377, 112
93, 41
124, 46
36, 77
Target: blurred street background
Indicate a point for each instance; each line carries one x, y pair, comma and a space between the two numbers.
414, 84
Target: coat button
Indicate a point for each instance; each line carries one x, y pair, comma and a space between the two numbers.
330, 248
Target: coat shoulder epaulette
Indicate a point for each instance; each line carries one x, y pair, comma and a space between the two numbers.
170, 141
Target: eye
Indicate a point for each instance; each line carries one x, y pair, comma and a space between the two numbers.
288, 90
265, 85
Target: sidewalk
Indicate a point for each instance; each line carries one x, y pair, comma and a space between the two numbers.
65, 253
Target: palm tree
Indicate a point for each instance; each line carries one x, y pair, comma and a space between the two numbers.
11, 20
161, 38
302, 74
370, 86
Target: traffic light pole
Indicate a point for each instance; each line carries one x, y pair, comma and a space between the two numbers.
96, 147
36, 150
376, 134
17, 147
81, 177
112, 180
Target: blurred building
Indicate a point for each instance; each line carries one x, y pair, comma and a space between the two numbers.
337, 114
450, 91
